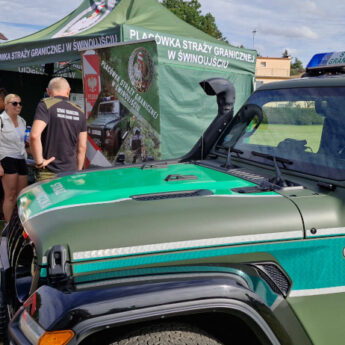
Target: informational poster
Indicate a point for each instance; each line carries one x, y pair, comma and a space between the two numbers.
77, 98
122, 104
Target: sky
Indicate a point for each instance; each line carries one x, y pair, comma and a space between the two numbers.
302, 27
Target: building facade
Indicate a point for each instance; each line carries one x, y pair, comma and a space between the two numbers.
270, 69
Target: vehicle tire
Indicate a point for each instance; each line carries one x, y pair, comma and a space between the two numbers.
167, 334
3, 319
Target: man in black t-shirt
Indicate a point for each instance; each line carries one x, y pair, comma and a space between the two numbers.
58, 135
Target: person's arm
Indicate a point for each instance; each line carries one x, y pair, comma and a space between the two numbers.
81, 150
36, 144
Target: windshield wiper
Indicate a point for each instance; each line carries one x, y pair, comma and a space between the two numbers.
229, 149
278, 179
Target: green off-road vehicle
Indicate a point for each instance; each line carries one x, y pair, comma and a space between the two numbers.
239, 242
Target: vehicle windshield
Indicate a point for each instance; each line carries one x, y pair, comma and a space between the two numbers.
303, 125
108, 108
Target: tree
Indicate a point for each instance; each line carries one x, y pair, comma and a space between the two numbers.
285, 54
296, 67
190, 12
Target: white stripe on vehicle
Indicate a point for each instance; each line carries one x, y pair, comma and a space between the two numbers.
69, 206
207, 242
315, 292
325, 232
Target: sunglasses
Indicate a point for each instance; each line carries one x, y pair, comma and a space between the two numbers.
16, 103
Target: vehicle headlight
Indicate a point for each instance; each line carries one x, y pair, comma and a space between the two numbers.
38, 336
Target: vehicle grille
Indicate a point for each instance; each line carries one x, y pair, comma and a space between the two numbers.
274, 277
247, 175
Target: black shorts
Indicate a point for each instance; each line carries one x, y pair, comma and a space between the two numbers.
14, 166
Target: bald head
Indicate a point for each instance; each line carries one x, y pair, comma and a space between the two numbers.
58, 87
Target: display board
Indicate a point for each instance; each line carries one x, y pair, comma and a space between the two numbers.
122, 103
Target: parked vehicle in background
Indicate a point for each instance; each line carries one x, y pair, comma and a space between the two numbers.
242, 241
106, 129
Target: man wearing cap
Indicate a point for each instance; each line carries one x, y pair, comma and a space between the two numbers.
58, 135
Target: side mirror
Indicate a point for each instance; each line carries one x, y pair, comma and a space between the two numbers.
321, 107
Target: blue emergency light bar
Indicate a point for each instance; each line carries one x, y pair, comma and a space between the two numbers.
327, 60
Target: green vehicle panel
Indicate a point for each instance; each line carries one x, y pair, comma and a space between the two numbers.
260, 198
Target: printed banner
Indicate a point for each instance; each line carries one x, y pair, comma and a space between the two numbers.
46, 51
182, 50
91, 80
89, 17
65, 40
124, 121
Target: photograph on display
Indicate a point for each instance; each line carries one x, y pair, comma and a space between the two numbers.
122, 103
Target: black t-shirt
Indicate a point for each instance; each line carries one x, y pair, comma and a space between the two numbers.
65, 120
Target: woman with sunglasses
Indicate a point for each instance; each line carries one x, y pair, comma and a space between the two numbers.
13, 168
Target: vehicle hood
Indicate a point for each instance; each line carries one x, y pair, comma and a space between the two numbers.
121, 211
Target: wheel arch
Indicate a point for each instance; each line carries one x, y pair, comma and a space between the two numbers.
97, 307
229, 312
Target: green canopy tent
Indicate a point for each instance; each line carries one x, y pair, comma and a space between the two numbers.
185, 57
